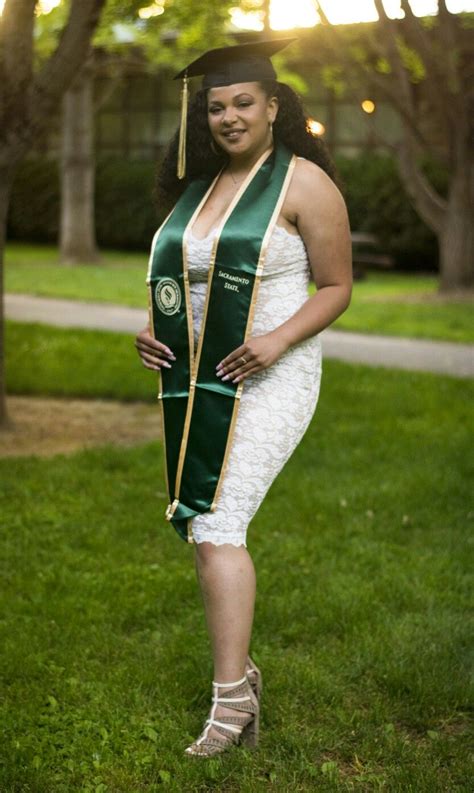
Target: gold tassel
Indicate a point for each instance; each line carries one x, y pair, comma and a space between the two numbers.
182, 130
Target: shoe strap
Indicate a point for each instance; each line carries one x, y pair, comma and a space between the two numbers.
230, 699
237, 682
222, 724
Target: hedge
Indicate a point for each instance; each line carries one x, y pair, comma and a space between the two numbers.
126, 217
377, 203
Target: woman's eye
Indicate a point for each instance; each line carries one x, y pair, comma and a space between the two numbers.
244, 104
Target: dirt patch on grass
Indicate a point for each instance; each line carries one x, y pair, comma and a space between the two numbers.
46, 426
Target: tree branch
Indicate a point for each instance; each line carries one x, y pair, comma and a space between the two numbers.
409, 121
338, 50
59, 71
449, 26
387, 27
429, 204
443, 100
322, 13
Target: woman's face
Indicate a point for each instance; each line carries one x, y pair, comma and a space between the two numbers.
239, 117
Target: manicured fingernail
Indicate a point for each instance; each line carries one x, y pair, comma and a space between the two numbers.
168, 365
226, 377
219, 374
219, 367
236, 380
170, 355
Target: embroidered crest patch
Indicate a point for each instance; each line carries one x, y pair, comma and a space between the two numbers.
168, 296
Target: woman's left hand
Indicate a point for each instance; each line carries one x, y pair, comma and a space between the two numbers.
260, 352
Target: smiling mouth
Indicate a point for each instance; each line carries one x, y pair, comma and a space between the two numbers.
233, 133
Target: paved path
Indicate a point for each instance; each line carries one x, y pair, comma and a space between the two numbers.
392, 351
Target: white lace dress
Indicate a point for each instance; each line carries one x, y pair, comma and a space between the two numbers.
277, 404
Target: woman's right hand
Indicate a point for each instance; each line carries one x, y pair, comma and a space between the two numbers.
154, 353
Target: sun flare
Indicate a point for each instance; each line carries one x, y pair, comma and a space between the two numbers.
297, 14
286, 14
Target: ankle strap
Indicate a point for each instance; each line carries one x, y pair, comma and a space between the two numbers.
237, 682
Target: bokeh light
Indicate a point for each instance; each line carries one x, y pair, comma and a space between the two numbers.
154, 10
315, 127
368, 106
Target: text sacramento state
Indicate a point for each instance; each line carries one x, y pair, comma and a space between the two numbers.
230, 277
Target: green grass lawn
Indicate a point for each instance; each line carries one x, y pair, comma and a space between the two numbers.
44, 360
363, 556
402, 304
383, 303
119, 278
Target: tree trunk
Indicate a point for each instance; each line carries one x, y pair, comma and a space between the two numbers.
77, 232
456, 239
6, 178
449, 218
266, 17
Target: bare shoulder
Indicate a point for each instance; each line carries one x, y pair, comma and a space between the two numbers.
314, 204
311, 188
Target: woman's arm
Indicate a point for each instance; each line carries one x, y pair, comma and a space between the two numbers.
317, 208
320, 213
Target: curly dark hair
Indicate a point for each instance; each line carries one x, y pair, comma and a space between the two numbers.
290, 127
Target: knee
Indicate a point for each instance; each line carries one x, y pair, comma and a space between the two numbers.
208, 553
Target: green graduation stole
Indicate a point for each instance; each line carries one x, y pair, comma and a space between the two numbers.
198, 410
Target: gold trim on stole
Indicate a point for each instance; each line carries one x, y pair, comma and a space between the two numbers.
152, 333
153, 244
159, 397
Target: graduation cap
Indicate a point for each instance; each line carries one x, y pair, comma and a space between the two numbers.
240, 63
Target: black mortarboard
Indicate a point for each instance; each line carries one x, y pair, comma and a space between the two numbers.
239, 63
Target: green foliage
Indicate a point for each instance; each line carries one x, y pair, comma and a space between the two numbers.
411, 61
195, 23
382, 66
125, 213
361, 626
332, 76
294, 80
47, 31
34, 205
170, 37
377, 203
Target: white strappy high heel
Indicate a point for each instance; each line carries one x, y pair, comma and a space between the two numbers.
234, 729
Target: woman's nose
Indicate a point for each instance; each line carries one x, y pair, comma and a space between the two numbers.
229, 115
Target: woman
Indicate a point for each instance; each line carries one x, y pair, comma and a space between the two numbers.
234, 335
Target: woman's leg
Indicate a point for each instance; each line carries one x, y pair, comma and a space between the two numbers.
227, 579
226, 575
